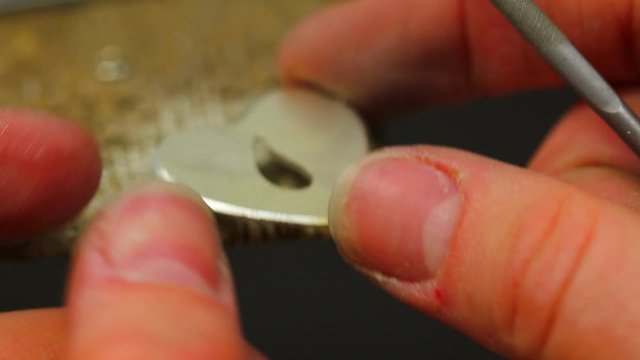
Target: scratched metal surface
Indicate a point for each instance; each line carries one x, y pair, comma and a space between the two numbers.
134, 71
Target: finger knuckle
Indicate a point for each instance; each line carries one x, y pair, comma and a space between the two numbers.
552, 244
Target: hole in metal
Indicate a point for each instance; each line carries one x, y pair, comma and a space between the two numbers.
277, 169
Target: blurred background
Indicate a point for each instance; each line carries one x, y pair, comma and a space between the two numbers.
136, 70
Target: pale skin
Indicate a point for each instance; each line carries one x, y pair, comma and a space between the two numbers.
538, 262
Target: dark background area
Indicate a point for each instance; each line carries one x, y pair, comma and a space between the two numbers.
299, 300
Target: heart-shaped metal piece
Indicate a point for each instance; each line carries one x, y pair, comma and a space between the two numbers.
277, 165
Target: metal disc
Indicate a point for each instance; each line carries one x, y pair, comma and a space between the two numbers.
277, 165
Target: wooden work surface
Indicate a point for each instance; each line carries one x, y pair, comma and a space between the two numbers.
135, 71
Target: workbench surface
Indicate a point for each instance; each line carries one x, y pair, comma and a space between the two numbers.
135, 71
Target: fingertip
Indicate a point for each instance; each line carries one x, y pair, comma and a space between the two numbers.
301, 49
394, 214
50, 169
350, 67
156, 233
153, 264
381, 56
581, 138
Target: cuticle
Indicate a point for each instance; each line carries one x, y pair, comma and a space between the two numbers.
392, 153
451, 173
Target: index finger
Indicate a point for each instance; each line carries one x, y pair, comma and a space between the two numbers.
383, 54
49, 169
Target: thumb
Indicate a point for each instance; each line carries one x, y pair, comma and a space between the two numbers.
150, 281
529, 266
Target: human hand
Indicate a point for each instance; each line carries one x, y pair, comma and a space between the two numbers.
150, 279
533, 263
49, 169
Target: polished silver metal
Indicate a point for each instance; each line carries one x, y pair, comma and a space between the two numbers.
276, 165
17, 5
563, 56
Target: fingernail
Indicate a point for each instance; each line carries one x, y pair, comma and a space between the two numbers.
395, 216
161, 234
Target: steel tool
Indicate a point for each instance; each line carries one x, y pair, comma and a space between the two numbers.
562, 55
